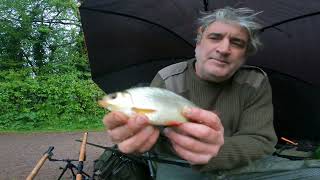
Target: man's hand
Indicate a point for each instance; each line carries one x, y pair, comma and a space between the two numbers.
200, 139
133, 135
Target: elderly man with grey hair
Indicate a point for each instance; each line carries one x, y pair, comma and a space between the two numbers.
234, 124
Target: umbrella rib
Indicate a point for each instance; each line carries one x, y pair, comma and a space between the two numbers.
288, 75
206, 4
141, 19
289, 20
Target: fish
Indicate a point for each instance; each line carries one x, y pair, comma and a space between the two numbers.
161, 106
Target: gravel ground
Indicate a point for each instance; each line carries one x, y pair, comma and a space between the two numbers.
20, 153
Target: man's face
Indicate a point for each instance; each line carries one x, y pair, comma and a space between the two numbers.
221, 51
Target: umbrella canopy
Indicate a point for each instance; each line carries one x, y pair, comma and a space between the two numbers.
129, 41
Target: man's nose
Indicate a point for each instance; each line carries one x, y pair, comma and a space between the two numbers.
224, 47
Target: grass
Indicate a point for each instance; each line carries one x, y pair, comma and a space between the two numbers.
53, 126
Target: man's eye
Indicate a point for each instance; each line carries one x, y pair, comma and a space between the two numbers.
214, 38
238, 44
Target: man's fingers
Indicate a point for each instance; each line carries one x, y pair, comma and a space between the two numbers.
133, 143
198, 131
150, 142
187, 142
115, 119
135, 124
119, 134
191, 157
203, 117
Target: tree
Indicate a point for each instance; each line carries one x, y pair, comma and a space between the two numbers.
32, 30
44, 73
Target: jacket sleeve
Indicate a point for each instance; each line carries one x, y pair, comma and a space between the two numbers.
255, 136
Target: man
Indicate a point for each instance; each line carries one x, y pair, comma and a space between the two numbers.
234, 125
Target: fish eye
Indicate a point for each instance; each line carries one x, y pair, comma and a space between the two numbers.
113, 96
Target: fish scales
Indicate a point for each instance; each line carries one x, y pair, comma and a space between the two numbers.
161, 106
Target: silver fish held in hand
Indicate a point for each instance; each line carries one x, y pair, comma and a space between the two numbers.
161, 106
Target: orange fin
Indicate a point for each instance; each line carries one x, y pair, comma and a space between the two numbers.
172, 123
142, 111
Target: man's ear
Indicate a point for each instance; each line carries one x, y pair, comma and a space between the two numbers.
199, 34
200, 30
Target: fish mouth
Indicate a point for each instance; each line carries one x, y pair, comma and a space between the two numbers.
103, 104
106, 105
109, 106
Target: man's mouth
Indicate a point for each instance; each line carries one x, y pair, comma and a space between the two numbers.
219, 60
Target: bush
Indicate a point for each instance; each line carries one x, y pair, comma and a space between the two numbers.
57, 101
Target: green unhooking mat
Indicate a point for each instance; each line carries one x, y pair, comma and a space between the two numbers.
268, 168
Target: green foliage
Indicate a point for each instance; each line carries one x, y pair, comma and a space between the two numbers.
45, 80
58, 101
31, 31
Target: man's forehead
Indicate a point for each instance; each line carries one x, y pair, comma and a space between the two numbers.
227, 28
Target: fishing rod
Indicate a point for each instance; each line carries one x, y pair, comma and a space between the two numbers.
151, 157
82, 156
36, 169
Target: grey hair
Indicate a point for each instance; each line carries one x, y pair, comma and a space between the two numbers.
245, 17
